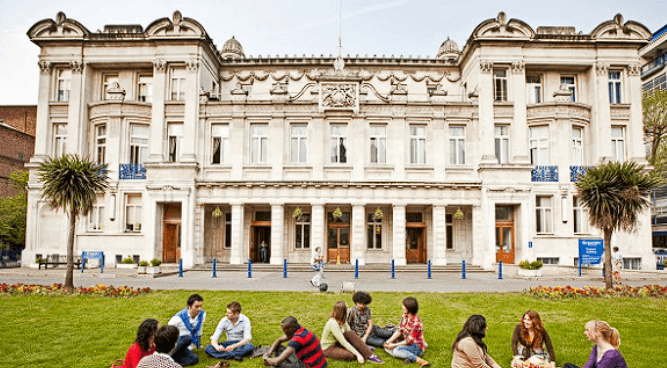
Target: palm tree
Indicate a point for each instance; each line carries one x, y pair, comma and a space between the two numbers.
615, 194
71, 183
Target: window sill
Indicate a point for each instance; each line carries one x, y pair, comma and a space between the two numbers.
126, 232
379, 167
292, 166
341, 167
257, 167
418, 167
214, 167
459, 168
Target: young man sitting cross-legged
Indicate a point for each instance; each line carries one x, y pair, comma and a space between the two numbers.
237, 328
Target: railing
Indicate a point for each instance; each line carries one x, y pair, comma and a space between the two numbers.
575, 171
653, 65
545, 173
131, 171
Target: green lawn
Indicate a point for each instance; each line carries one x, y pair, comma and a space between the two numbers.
85, 331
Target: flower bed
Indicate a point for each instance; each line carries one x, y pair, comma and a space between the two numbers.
57, 289
568, 292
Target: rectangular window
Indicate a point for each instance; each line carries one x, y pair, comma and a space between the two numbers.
457, 145
570, 83
549, 260
338, 144
177, 86
108, 81
145, 88
615, 87
577, 146
228, 231
302, 232
618, 143
378, 144
64, 84
417, 144
219, 143
632, 263
543, 215
133, 212
374, 232
138, 143
502, 140
96, 216
175, 140
299, 143
500, 85
449, 223
59, 139
533, 89
580, 216
539, 145
100, 143
260, 143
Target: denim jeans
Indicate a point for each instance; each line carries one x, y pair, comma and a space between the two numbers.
182, 355
410, 352
240, 351
378, 336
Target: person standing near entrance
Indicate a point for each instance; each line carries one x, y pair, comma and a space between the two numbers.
317, 262
264, 252
190, 322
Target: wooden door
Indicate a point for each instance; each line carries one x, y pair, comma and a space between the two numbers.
415, 251
339, 243
260, 234
171, 243
505, 242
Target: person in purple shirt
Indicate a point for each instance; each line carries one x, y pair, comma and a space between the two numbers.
605, 352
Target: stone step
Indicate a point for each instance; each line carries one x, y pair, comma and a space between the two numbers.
261, 267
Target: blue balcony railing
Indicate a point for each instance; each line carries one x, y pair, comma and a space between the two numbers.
653, 65
131, 171
575, 171
545, 173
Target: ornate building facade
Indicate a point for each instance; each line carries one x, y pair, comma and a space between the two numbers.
471, 155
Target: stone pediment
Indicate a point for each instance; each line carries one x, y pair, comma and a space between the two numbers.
616, 29
61, 27
177, 26
501, 27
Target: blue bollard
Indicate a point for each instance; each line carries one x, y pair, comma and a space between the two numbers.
102, 264
429, 269
83, 264
356, 268
284, 268
463, 269
500, 270
180, 267
215, 268
249, 268
393, 270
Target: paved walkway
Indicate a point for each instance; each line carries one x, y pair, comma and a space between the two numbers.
299, 281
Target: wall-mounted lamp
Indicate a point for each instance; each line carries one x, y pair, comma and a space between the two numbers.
112, 215
563, 209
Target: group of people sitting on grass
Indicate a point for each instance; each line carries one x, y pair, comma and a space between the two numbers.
349, 334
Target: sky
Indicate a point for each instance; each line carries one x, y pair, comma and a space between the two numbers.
298, 27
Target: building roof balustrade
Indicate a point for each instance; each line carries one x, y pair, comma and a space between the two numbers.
544, 174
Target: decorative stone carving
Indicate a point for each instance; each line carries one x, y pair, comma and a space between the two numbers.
398, 88
486, 66
279, 88
115, 92
435, 90
160, 65
241, 89
76, 65
517, 67
203, 95
633, 69
192, 65
339, 96
45, 66
601, 68
563, 94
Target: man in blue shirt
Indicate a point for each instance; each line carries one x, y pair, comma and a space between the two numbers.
190, 322
238, 330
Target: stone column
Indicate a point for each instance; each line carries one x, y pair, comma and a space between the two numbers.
479, 241
635, 135
317, 233
236, 254
518, 129
156, 148
43, 128
486, 114
191, 113
398, 244
75, 111
439, 231
358, 233
600, 130
277, 234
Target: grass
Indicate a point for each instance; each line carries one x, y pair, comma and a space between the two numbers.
85, 331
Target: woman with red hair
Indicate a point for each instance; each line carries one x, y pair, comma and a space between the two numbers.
529, 341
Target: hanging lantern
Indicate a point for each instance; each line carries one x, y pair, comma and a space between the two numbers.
217, 213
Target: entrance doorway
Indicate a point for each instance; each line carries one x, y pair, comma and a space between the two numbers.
171, 233
504, 234
415, 251
260, 244
339, 244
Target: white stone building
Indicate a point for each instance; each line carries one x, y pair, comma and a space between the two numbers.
469, 155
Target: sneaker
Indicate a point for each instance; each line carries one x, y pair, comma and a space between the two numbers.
238, 358
374, 359
407, 361
423, 363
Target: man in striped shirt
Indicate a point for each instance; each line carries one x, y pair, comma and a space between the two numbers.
302, 342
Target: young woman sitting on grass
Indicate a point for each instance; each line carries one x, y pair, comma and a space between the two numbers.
469, 349
529, 340
340, 343
143, 344
605, 352
408, 342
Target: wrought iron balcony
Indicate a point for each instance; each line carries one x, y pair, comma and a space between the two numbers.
653, 65
131, 172
575, 171
545, 173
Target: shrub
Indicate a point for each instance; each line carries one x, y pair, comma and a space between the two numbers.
143, 263
531, 265
155, 262
128, 260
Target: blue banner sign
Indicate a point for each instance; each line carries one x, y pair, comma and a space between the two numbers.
590, 251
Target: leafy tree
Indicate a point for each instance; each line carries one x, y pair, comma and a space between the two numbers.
655, 127
13, 211
71, 183
615, 194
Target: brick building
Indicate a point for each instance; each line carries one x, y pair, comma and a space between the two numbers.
17, 142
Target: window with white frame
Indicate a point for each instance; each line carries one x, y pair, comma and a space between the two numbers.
177, 86
374, 232
632, 263
457, 145
138, 143
549, 260
580, 216
175, 141
577, 146
449, 224
615, 86
100, 143
302, 232
378, 144
500, 85
259, 143
502, 140
533, 89
219, 143
298, 143
417, 144
544, 214
539, 145
59, 139
133, 212
338, 144
571, 84
618, 143
145, 88
108, 81
96, 216
64, 84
